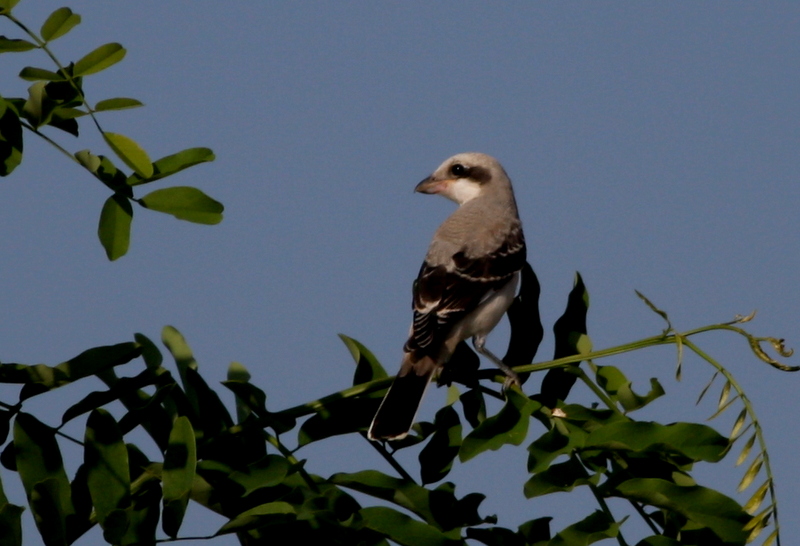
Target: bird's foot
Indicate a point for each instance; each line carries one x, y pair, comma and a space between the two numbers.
512, 379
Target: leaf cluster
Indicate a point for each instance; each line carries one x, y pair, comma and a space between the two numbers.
57, 101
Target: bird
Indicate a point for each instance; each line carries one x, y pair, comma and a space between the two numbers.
466, 283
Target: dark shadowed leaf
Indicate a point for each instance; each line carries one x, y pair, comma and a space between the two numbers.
704, 507
41, 469
571, 339
59, 23
509, 426
180, 462
15, 45
267, 472
144, 514
114, 229
99, 59
402, 529
593, 528
558, 477
185, 203
124, 387
106, 461
253, 398
10, 138
474, 407
526, 324
553, 444
658, 541
436, 458
496, 536
271, 512
120, 103
339, 417
184, 359
10, 521
130, 153
171, 164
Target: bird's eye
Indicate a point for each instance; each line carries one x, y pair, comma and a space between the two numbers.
458, 170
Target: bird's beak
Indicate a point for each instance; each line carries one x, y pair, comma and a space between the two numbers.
431, 185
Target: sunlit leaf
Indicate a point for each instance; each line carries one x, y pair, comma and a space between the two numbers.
267, 472
367, 366
553, 444
185, 203
737, 425
723, 395
754, 503
117, 104
59, 23
33, 74
180, 462
15, 45
10, 138
171, 164
114, 228
750, 475
746, 449
509, 426
130, 153
99, 59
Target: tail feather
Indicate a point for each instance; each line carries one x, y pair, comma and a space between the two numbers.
396, 413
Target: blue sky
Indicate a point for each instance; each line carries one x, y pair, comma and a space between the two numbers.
652, 146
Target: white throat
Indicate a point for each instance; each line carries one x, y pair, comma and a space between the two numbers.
462, 190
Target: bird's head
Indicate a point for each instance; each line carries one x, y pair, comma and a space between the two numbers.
464, 177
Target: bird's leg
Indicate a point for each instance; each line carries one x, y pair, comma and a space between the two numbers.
479, 342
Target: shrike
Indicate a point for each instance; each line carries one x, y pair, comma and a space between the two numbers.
466, 283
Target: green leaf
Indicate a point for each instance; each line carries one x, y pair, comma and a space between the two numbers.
33, 74
130, 153
106, 460
558, 477
15, 45
180, 462
40, 378
41, 470
553, 444
697, 442
171, 164
238, 375
367, 366
263, 514
752, 472
10, 138
185, 203
117, 104
6, 5
403, 529
703, 507
11, 524
509, 426
59, 23
436, 458
99, 59
114, 229
746, 450
251, 397
267, 472
593, 528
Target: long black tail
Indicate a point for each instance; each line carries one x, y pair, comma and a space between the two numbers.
396, 413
